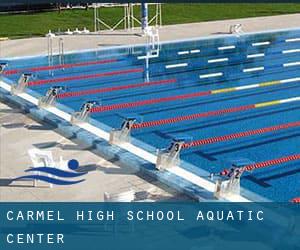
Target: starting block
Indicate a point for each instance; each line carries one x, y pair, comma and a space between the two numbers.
50, 97
122, 135
3, 65
170, 157
22, 84
84, 113
231, 185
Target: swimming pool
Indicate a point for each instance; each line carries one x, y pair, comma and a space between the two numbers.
232, 98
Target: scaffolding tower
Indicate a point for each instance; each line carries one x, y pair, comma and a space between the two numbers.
129, 20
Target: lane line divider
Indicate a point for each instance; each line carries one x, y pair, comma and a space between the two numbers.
80, 77
292, 40
290, 51
256, 55
160, 122
253, 69
234, 136
116, 88
65, 66
272, 162
187, 96
296, 200
261, 43
218, 60
210, 75
178, 65
226, 47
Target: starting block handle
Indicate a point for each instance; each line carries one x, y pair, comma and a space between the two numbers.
122, 135
22, 83
84, 113
3, 65
169, 157
50, 97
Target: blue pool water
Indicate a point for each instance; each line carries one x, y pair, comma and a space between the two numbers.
237, 61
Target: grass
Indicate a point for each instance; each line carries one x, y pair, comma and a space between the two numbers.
38, 24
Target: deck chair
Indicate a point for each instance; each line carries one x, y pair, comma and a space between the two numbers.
41, 158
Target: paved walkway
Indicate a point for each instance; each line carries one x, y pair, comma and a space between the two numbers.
35, 46
18, 133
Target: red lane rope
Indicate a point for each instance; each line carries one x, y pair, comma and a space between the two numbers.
296, 200
271, 162
148, 102
65, 66
191, 117
110, 89
240, 134
71, 78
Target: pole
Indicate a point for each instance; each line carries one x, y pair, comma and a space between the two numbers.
144, 9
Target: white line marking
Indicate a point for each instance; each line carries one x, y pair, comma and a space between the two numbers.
247, 87
290, 51
195, 51
290, 99
171, 66
256, 55
145, 57
261, 43
183, 52
226, 47
292, 40
211, 75
291, 64
218, 60
290, 80
253, 69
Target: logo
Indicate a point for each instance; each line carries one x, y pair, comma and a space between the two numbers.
55, 175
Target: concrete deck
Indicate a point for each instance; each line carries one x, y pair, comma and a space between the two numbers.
36, 46
18, 132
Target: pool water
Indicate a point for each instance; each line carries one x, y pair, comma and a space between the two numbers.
193, 77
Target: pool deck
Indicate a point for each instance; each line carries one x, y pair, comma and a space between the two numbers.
18, 133
106, 176
38, 45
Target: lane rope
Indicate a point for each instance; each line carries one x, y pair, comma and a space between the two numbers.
240, 135
296, 200
80, 77
111, 89
269, 163
65, 66
160, 122
188, 96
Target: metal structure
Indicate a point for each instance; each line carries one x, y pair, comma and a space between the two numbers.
49, 98
50, 37
122, 135
170, 157
61, 52
129, 20
22, 84
83, 115
3, 65
230, 185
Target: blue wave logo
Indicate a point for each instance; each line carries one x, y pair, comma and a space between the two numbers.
72, 165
